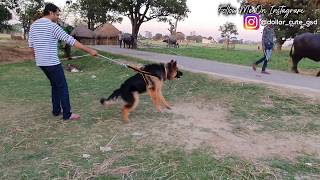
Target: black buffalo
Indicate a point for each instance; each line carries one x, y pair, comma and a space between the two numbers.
128, 41
305, 45
171, 42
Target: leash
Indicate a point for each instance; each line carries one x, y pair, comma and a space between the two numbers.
121, 64
143, 73
76, 57
127, 66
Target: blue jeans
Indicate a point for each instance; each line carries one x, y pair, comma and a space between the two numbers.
59, 90
265, 59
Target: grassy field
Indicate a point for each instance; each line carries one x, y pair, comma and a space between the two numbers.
5, 36
35, 145
242, 55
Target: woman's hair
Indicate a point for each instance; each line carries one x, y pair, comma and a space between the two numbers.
50, 7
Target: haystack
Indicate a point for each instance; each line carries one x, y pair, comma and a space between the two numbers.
83, 35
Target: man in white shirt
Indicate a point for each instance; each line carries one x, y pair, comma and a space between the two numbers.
43, 40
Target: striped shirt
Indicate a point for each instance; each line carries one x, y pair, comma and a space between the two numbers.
43, 38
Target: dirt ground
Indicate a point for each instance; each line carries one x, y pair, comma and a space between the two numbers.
205, 125
200, 126
12, 51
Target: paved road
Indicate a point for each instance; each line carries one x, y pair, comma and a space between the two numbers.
245, 73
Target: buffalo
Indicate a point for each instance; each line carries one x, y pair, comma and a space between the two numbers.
171, 42
305, 45
128, 40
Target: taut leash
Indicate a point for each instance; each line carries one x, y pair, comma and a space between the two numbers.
127, 66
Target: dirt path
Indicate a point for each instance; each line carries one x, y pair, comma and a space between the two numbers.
14, 51
198, 125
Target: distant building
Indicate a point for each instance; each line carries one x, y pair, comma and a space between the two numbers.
197, 39
180, 36
157, 37
208, 41
107, 35
83, 35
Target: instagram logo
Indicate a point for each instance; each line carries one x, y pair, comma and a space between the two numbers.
251, 21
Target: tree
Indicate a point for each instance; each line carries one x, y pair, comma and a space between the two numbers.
180, 36
197, 39
96, 12
66, 10
228, 31
11, 4
284, 32
140, 37
5, 16
28, 11
140, 11
157, 37
174, 18
172, 28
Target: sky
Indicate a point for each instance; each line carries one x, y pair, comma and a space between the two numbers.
203, 19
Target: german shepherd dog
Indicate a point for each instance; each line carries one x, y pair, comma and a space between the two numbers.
140, 83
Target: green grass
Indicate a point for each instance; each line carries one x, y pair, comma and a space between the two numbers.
35, 145
305, 167
242, 56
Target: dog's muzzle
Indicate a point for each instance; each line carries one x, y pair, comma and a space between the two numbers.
179, 74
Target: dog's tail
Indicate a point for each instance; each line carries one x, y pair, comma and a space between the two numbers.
113, 96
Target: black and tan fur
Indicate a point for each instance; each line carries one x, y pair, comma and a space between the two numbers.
139, 83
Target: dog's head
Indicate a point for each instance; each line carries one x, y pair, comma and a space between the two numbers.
173, 71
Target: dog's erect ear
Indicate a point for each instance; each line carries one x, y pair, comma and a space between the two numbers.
174, 64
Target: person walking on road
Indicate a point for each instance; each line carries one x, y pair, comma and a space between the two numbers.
267, 46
